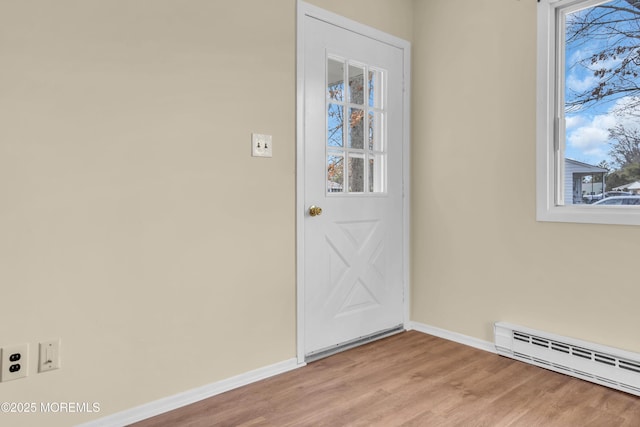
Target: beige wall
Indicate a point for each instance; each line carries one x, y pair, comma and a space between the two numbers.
478, 253
391, 16
136, 227
134, 224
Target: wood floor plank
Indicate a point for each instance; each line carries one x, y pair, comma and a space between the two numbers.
412, 379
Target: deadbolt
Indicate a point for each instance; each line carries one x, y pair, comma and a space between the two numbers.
315, 210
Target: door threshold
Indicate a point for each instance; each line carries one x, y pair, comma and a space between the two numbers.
330, 351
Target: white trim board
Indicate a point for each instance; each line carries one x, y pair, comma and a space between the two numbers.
454, 336
188, 397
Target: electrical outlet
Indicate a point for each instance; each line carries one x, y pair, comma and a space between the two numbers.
49, 355
15, 362
261, 145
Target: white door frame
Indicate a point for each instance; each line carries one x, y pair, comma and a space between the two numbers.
305, 9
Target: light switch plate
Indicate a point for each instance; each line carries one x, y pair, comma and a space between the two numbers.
261, 145
49, 355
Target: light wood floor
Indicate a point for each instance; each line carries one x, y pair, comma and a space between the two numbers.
412, 379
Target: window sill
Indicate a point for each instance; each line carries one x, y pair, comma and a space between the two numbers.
617, 215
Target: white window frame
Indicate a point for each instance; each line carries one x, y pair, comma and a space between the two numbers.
550, 129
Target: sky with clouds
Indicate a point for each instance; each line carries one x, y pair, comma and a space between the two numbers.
587, 130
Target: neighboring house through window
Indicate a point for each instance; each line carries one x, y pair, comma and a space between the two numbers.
584, 182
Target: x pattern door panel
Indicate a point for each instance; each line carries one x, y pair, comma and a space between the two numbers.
356, 251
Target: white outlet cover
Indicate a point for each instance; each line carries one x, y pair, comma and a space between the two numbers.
15, 362
261, 145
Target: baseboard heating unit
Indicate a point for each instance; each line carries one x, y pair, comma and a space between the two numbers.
607, 366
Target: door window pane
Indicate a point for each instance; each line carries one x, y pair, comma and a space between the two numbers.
335, 173
356, 128
356, 173
335, 122
335, 79
375, 88
375, 131
376, 177
356, 84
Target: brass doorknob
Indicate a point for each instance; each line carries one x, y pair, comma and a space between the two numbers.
315, 210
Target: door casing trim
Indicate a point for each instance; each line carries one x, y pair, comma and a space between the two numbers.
304, 10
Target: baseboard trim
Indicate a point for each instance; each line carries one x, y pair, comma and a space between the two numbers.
179, 400
453, 336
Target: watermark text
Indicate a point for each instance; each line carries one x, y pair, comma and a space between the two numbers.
49, 407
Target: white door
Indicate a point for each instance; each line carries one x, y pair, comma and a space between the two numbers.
353, 171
